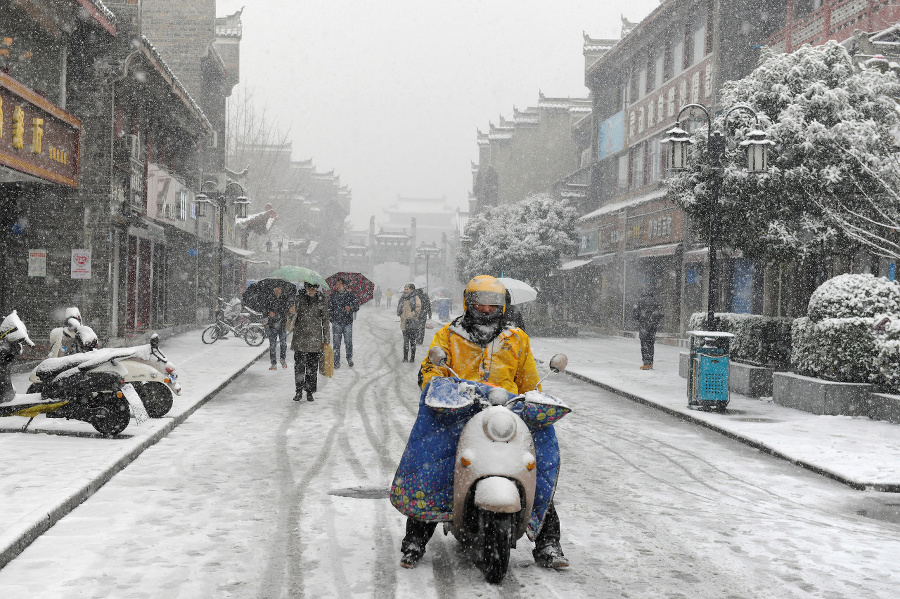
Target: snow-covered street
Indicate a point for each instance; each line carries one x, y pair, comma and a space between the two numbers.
259, 496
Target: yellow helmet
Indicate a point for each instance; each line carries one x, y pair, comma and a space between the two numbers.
486, 290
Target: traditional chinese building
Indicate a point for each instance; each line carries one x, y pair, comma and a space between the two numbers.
525, 155
632, 238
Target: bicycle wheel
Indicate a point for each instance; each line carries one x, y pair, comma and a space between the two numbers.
210, 334
254, 335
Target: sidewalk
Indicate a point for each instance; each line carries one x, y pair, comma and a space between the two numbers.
59, 463
859, 452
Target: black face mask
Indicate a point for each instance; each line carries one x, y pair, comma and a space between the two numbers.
482, 327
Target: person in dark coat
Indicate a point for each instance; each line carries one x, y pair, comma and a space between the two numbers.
276, 309
648, 314
409, 308
377, 295
311, 335
424, 315
513, 316
342, 305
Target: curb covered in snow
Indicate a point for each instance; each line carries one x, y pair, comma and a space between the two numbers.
687, 416
30, 532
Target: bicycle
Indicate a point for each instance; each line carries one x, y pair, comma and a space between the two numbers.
239, 324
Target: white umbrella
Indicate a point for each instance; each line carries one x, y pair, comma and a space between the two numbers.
519, 291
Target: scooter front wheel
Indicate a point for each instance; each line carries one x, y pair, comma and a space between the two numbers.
497, 540
210, 334
113, 417
156, 397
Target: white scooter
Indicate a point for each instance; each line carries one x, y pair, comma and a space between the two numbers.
86, 386
495, 475
154, 378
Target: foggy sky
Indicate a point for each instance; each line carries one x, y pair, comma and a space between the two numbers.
390, 94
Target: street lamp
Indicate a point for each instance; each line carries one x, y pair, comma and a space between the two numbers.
205, 199
428, 251
757, 148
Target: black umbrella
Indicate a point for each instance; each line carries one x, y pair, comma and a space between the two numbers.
261, 293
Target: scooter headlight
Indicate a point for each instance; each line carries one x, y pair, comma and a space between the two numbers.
500, 426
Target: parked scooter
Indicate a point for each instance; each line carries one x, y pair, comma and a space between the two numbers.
154, 378
506, 443
86, 386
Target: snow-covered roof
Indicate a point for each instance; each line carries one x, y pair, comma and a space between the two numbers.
101, 14
153, 54
239, 251
654, 195
574, 264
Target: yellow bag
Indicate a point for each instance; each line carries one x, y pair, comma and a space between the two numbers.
326, 361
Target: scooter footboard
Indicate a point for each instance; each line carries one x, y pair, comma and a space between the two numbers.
498, 494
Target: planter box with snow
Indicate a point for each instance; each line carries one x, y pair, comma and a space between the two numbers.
819, 396
883, 406
752, 381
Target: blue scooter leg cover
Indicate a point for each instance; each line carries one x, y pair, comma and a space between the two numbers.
423, 485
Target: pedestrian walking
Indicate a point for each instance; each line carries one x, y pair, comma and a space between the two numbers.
424, 315
277, 308
648, 314
388, 295
409, 307
311, 334
342, 307
377, 295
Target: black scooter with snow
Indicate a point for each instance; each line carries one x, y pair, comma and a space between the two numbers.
88, 387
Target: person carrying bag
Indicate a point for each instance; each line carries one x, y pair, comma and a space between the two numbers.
409, 309
312, 340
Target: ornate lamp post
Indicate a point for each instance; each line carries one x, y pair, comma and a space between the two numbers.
427, 251
208, 195
756, 145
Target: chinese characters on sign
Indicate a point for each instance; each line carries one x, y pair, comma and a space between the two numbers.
52, 153
37, 263
81, 264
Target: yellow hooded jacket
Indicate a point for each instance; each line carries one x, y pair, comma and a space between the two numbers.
506, 362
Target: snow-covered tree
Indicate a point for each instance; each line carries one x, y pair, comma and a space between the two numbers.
524, 240
832, 172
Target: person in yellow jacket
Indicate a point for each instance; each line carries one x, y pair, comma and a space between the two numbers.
482, 346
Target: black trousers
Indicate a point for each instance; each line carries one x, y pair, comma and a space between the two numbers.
306, 370
419, 532
409, 344
648, 338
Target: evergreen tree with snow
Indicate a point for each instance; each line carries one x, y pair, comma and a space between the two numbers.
833, 171
524, 240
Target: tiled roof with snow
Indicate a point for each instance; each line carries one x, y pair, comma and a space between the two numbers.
175, 82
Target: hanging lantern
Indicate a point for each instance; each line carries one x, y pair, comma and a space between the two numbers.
202, 201
757, 146
676, 153
241, 206
269, 246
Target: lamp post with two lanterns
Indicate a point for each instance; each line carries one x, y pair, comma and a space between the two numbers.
427, 251
756, 145
210, 194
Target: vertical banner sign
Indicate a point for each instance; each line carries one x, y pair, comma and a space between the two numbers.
37, 263
81, 264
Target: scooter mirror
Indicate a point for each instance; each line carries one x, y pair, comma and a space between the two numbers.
437, 356
154, 341
559, 362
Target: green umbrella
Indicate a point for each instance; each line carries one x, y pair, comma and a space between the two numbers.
300, 274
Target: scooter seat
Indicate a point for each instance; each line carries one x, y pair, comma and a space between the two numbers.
51, 367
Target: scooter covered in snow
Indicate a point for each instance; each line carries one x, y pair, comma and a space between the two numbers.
483, 461
86, 386
154, 378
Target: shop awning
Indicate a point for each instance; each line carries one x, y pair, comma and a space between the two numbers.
239, 252
668, 249
605, 258
571, 264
